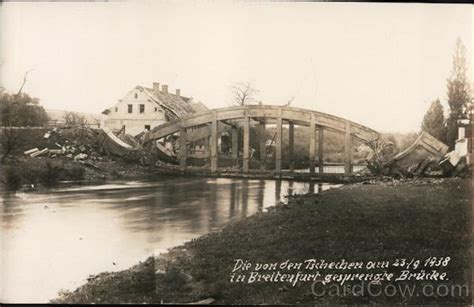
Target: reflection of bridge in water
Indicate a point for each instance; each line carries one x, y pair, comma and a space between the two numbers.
210, 125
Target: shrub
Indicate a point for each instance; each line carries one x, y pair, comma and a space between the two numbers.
13, 179
76, 173
52, 173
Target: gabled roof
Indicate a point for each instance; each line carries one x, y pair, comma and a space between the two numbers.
175, 106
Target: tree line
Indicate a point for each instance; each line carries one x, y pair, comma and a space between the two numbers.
458, 94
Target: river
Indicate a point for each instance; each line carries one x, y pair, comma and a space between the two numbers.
56, 238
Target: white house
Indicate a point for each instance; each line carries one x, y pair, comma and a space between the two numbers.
143, 108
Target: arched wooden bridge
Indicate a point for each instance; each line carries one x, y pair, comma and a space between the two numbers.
211, 123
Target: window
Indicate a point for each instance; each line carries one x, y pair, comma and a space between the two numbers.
136, 96
142, 108
130, 108
116, 109
147, 127
156, 109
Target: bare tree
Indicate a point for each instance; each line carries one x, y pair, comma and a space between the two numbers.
289, 101
243, 93
24, 82
380, 159
75, 120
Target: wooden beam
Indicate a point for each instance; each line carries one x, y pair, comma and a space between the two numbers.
204, 132
291, 143
278, 143
235, 146
213, 142
312, 143
320, 149
182, 148
207, 151
262, 138
246, 149
347, 149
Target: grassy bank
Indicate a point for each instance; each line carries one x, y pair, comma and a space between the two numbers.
382, 221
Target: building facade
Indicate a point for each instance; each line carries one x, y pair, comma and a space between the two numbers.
143, 108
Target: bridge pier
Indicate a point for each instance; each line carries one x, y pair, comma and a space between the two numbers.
213, 142
207, 151
246, 149
312, 143
183, 152
320, 149
347, 149
235, 146
291, 143
263, 150
278, 143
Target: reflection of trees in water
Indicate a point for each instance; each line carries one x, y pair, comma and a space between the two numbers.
212, 207
176, 207
245, 197
277, 192
261, 194
10, 210
233, 200
290, 188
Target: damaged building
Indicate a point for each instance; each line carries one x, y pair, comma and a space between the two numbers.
143, 108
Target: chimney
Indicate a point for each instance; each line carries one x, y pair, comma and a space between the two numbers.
178, 92
164, 88
156, 86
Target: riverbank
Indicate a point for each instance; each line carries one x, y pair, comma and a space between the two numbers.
82, 155
22, 172
358, 222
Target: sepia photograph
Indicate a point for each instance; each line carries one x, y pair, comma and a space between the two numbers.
236, 152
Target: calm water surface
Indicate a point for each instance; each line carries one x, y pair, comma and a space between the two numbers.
54, 239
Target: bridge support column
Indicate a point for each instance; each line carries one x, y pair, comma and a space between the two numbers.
263, 150
291, 143
213, 142
183, 152
347, 150
312, 143
278, 142
207, 151
235, 146
246, 149
320, 150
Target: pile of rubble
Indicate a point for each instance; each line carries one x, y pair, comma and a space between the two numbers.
428, 156
78, 146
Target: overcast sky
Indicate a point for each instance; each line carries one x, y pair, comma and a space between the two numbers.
377, 64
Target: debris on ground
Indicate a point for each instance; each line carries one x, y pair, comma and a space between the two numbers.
81, 156
421, 157
30, 151
39, 153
